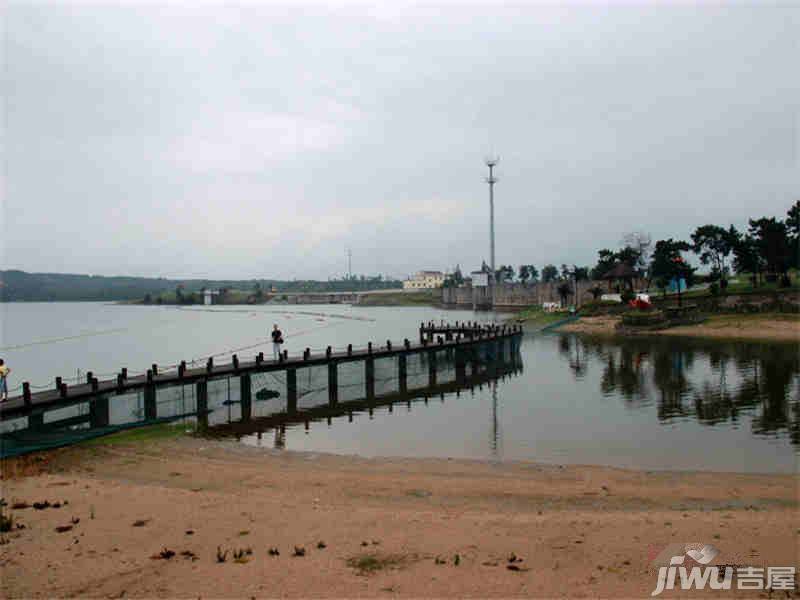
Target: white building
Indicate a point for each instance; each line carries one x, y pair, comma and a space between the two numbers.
424, 280
480, 279
208, 296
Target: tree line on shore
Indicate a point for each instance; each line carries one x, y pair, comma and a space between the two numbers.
767, 251
20, 286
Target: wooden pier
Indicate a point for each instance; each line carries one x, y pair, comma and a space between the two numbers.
458, 341
450, 331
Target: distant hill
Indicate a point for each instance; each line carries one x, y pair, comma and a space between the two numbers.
17, 286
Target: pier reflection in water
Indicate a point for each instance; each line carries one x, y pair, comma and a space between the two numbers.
270, 421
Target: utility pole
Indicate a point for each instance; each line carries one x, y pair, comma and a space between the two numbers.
491, 162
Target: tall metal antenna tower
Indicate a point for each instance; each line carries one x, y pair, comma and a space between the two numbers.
349, 263
491, 162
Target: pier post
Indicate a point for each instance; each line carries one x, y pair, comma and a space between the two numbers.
474, 358
461, 365
291, 391
99, 411
201, 393
369, 376
333, 383
150, 410
432, 367
36, 420
402, 373
246, 396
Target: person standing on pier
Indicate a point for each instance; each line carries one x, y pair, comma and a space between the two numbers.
277, 340
4, 371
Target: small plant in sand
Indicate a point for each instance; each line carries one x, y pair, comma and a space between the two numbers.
6, 522
221, 556
513, 563
369, 564
165, 554
240, 555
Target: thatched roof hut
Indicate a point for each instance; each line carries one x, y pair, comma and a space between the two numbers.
620, 272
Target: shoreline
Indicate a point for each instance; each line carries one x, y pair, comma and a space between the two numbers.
777, 327
390, 526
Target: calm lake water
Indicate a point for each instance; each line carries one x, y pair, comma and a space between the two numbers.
647, 403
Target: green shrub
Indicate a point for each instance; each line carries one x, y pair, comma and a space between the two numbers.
643, 318
601, 307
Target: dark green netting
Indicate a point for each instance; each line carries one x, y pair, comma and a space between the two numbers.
25, 441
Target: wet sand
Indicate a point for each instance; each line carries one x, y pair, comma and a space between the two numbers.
580, 531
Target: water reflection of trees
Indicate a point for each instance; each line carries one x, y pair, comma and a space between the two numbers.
713, 382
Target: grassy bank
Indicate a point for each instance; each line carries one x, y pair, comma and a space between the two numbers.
421, 298
535, 317
237, 297
152, 433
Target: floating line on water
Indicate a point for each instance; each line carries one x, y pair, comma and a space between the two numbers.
278, 312
65, 338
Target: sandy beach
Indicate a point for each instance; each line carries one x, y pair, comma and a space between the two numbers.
389, 527
770, 327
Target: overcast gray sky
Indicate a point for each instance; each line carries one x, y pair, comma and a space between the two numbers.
263, 139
